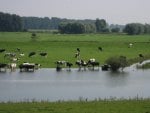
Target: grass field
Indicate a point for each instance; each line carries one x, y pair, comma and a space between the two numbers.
121, 106
63, 47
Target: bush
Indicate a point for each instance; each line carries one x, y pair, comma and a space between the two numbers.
117, 62
33, 36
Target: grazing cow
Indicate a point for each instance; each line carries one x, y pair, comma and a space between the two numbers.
78, 49
92, 63
2, 50
100, 48
31, 54
141, 55
43, 54
130, 45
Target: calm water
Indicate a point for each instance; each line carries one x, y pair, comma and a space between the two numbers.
47, 84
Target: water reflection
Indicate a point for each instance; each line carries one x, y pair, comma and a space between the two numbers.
49, 84
116, 79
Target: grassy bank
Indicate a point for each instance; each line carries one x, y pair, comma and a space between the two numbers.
63, 47
120, 106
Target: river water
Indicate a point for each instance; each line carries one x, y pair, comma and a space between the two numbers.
48, 84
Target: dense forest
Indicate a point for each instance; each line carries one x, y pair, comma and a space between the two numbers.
49, 23
10, 22
56, 23
13, 22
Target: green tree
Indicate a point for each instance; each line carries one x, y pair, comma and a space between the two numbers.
134, 29
71, 28
147, 29
89, 28
115, 30
10, 22
101, 25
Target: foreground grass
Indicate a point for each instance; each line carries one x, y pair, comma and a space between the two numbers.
120, 106
63, 47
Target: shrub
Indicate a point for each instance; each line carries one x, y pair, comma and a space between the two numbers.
33, 36
117, 62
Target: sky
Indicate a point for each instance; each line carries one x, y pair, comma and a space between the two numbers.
113, 11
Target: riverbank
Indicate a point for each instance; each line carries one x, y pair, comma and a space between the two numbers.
101, 106
63, 47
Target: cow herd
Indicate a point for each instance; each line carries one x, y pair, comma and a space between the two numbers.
90, 64
13, 57
26, 66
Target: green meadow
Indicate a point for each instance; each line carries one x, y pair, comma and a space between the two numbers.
120, 106
63, 46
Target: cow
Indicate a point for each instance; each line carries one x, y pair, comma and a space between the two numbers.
100, 48
31, 54
93, 63
81, 63
43, 54
2, 50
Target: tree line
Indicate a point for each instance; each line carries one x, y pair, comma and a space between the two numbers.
13, 22
10, 22
49, 23
137, 28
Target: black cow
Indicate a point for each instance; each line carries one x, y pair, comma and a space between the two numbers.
78, 49
100, 48
2, 50
43, 54
31, 54
141, 55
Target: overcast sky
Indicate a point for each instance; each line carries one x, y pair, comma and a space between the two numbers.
114, 11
